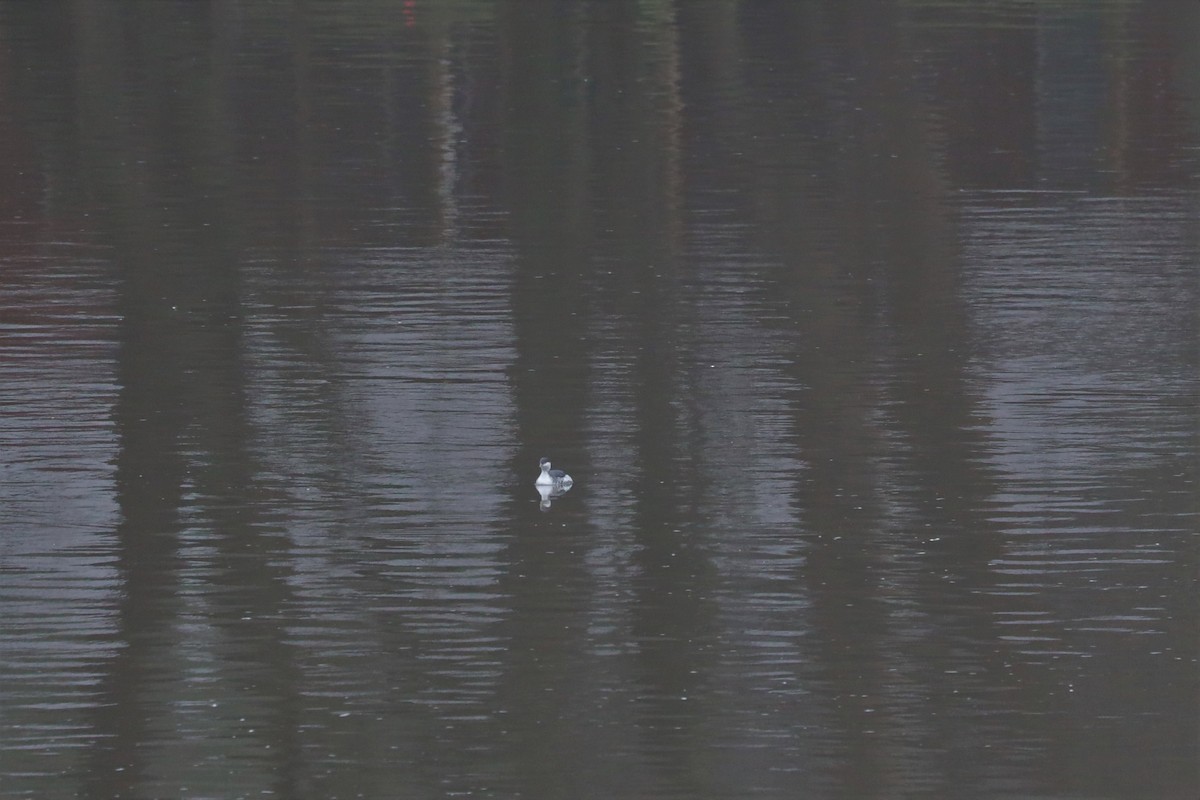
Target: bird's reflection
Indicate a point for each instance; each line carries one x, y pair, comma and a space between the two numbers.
551, 493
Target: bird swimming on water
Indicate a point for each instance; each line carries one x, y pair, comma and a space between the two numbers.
555, 478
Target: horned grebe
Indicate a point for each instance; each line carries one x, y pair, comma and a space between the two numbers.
553, 477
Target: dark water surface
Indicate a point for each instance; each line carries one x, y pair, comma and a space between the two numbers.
868, 331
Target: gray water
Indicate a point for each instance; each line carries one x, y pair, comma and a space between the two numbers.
868, 332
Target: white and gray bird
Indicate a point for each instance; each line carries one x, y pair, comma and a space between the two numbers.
554, 478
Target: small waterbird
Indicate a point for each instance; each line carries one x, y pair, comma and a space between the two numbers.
555, 478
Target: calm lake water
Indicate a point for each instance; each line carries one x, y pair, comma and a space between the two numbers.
868, 331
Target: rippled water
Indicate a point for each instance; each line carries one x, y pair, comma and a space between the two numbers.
881, 401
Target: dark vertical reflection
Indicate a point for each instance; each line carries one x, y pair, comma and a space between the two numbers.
592, 160
830, 288
936, 416
151, 119
877, 323
546, 158
637, 116
151, 417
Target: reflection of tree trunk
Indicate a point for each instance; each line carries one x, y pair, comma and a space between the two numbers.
878, 331
586, 161
546, 187
180, 415
150, 416
544, 167
151, 474
638, 127
935, 458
